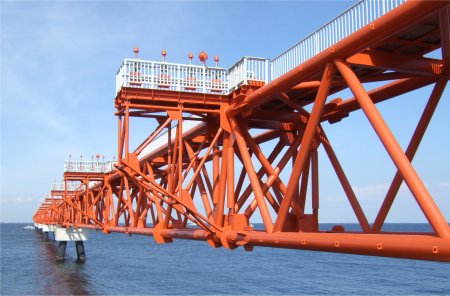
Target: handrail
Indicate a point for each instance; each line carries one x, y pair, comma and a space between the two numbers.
348, 22
60, 186
89, 166
248, 69
214, 80
191, 78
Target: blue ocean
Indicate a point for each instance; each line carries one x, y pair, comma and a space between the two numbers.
118, 264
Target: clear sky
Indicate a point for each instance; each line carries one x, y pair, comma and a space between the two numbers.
58, 66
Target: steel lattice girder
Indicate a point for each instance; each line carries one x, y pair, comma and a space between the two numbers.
193, 176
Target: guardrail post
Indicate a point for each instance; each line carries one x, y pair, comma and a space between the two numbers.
204, 79
152, 75
245, 70
178, 78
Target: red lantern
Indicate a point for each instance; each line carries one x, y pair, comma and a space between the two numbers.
203, 56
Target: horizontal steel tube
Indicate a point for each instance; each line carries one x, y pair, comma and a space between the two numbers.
421, 246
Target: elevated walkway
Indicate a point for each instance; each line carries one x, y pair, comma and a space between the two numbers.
212, 124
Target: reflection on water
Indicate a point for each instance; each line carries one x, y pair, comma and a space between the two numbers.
65, 278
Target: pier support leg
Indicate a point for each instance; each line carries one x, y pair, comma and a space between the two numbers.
45, 236
63, 235
61, 253
81, 255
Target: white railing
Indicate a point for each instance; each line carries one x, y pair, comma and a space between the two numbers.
89, 166
190, 78
71, 186
248, 69
195, 78
348, 22
170, 76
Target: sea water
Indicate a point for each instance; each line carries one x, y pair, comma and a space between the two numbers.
118, 264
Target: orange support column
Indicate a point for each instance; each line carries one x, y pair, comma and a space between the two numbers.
254, 180
223, 177
315, 187
230, 176
305, 146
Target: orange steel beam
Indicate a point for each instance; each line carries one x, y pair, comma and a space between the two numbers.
216, 174
305, 145
420, 246
444, 24
385, 26
425, 119
410, 176
398, 63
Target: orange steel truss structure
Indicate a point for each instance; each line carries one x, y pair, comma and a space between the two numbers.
210, 175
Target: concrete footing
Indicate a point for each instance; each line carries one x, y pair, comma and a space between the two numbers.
70, 234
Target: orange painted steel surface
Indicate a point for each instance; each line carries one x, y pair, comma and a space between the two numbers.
203, 174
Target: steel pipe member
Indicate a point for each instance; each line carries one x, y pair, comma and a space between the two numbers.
61, 252
81, 255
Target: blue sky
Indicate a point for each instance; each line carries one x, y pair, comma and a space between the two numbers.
58, 66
